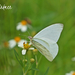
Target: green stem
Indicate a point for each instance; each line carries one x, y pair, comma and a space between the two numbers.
39, 59
36, 61
24, 72
23, 67
36, 64
28, 69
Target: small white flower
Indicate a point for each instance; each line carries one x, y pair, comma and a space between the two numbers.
71, 73
73, 59
25, 47
21, 44
16, 40
22, 26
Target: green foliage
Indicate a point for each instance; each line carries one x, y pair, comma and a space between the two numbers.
41, 13
46, 73
18, 58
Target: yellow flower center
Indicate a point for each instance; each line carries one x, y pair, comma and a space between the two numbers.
17, 39
73, 73
23, 22
26, 46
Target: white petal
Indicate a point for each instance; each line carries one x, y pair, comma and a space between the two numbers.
12, 43
23, 52
31, 48
71, 72
19, 26
24, 28
20, 43
73, 59
67, 74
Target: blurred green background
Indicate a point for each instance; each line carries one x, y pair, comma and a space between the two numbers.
42, 13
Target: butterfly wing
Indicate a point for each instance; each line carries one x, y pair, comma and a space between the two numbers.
51, 32
46, 47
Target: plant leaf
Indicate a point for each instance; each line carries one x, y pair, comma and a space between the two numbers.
18, 58
34, 69
46, 71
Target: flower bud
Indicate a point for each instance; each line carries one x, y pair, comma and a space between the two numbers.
32, 60
35, 51
25, 60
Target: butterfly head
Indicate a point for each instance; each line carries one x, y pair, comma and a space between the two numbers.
30, 37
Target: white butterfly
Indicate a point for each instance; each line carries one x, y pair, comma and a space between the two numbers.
46, 40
